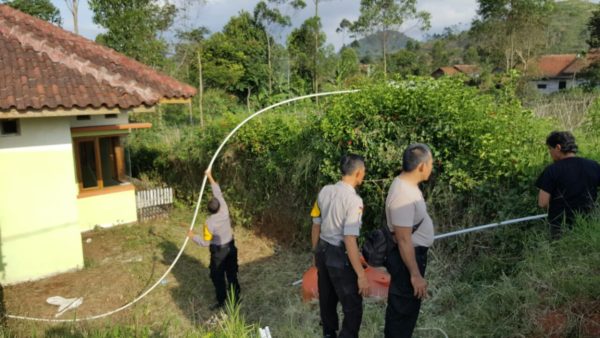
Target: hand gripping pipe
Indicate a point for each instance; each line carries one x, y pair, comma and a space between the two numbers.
212, 161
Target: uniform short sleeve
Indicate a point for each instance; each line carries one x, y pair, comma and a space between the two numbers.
402, 212
546, 181
315, 213
353, 219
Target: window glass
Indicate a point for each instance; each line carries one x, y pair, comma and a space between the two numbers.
87, 164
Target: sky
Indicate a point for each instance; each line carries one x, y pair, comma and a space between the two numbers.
214, 14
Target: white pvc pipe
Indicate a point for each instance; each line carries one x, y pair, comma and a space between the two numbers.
488, 226
212, 161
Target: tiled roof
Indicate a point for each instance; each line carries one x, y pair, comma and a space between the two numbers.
45, 67
581, 63
553, 65
467, 69
448, 70
451, 70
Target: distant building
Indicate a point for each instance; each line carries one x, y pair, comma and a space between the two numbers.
469, 70
552, 73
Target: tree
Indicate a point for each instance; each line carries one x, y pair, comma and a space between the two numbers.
347, 66
440, 56
236, 58
594, 29
133, 27
381, 16
301, 46
265, 18
43, 9
512, 32
344, 28
411, 60
190, 47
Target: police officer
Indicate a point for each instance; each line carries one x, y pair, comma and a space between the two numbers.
412, 227
337, 218
218, 235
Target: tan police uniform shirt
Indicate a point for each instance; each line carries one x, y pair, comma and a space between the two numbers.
218, 226
339, 212
405, 207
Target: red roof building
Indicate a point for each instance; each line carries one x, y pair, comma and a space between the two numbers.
469, 70
64, 118
559, 71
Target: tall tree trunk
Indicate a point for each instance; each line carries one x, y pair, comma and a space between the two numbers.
269, 63
248, 99
200, 89
75, 16
73, 6
384, 50
315, 75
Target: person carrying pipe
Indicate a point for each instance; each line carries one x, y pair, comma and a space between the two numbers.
337, 218
218, 236
412, 228
569, 186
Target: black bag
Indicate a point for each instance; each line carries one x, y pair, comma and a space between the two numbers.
379, 244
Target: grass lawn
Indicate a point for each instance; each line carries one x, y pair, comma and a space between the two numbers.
551, 291
122, 262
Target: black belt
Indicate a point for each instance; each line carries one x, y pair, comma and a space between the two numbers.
324, 242
220, 246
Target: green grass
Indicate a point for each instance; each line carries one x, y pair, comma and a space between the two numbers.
508, 289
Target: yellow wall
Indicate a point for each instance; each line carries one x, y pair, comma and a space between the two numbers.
107, 210
39, 228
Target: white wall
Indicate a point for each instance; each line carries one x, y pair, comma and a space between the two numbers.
552, 84
100, 120
39, 228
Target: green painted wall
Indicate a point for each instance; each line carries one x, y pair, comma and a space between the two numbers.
39, 228
107, 210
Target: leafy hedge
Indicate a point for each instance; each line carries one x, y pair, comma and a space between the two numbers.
488, 151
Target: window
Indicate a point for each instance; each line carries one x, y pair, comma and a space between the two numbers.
541, 86
100, 162
110, 116
562, 85
10, 128
83, 117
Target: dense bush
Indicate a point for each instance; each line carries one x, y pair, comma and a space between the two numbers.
488, 151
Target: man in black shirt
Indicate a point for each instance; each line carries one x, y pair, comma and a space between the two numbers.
569, 185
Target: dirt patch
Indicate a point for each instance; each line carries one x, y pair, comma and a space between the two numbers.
589, 312
120, 264
553, 324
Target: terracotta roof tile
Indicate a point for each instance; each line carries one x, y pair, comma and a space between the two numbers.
581, 63
552, 65
44, 66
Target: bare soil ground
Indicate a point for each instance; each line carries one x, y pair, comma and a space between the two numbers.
122, 262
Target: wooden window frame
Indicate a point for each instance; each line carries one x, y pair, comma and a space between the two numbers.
119, 164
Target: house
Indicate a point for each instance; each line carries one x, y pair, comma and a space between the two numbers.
64, 116
469, 70
552, 73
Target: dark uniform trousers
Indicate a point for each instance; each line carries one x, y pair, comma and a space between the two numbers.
224, 262
403, 307
337, 282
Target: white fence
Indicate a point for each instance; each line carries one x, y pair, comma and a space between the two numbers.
153, 203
